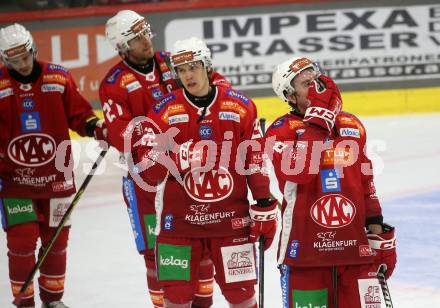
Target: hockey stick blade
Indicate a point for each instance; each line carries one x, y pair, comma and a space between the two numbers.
384, 286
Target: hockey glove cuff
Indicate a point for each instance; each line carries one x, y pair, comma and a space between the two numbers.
384, 249
264, 222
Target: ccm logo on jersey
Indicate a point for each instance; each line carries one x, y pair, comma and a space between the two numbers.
210, 186
32, 150
333, 211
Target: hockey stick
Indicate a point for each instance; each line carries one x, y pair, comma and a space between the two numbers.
384, 286
335, 286
261, 245
29, 279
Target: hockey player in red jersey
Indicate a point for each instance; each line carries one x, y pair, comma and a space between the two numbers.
326, 257
204, 209
39, 102
128, 91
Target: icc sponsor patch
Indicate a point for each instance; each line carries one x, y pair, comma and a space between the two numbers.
293, 249
370, 293
30, 122
239, 263
205, 132
310, 298
330, 181
238, 95
156, 93
28, 104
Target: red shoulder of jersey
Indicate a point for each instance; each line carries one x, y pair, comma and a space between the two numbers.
235, 104
348, 125
120, 77
286, 127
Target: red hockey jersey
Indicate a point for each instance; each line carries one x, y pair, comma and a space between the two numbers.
126, 94
34, 123
327, 206
216, 204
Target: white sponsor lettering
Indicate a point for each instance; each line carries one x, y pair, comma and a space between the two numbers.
6, 92
228, 115
52, 87
133, 86
20, 209
349, 132
171, 261
180, 118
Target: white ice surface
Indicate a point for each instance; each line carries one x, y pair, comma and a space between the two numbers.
104, 269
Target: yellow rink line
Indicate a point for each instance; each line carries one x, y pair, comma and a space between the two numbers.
382, 102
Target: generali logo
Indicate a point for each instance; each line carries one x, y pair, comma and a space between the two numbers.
82, 50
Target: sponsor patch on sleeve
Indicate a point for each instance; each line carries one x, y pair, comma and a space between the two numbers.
241, 97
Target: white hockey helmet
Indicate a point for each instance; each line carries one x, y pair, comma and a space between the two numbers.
191, 50
123, 27
14, 41
285, 72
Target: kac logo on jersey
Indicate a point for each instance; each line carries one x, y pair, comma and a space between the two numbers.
168, 222
30, 122
32, 150
205, 132
330, 181
209, 186
157, 93
333, 211
28, 104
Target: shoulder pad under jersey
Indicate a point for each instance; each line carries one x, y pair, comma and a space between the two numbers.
348, 125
